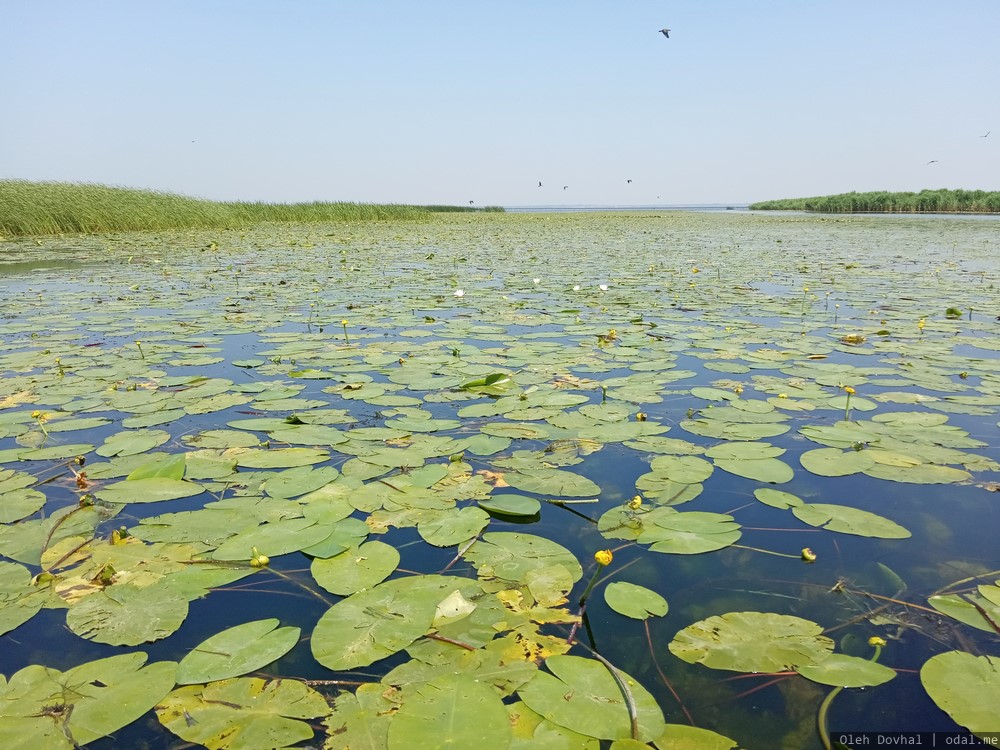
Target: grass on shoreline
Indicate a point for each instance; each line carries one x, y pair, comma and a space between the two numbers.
926, 201
39, 208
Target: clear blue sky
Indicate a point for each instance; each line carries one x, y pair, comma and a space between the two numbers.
435, 102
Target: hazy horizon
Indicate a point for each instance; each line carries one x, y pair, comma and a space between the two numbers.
439, 104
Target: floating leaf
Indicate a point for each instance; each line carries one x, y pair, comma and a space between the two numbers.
126, 615
582, 695
236, 651
373, 624
841, 670
356, 569
43, 707
966, 687
684, 737
242, 713
849, 520
453, 710
511, 556
151, 490
752, 642
634, 601
511, 505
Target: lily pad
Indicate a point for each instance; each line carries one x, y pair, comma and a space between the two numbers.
243, 713
582, 695
58, 710
849, 520
454, 710
236, 651
356, 569
634, 601
752, 642
966, 687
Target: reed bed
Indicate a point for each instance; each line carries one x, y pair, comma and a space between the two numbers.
38, 208
926, 201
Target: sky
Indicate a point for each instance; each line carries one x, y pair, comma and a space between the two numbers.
449, 102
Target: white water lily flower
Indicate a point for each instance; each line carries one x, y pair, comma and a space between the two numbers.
603, 287
576, 287
459, 292
536, 280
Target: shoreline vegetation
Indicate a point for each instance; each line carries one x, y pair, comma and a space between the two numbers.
30, 208
926, 201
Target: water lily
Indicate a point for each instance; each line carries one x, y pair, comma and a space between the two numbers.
536, 281
459, 292
603, 557
603, 287
635, 503
576, 287
808, 555
847, 407
347, 340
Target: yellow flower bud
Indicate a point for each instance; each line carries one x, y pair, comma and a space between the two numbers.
603, 557
808, 555
876, 641
849, 391
640, 416
635, 503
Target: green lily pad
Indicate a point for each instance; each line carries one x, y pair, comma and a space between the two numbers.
841, 670
151, 490
454, 710
831, 462
236, 651
752, 642
510, 556
966, 687
582, 695
511, 505
777, 498
849, 520
126, 615
634, 601
356, 569
20, 600
684, 737
371, 625
242, 713
92, 700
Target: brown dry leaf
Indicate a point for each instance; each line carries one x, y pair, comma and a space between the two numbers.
493, 477
16, 399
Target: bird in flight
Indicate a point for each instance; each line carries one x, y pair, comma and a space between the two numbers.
629, 181
932, 161
539, 183
565, 186
665, 32
987, 133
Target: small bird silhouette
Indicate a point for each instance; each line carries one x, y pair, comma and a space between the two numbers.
932, 161
629, 181
565, 186
539, 183
471, 202
665, 32
987, 134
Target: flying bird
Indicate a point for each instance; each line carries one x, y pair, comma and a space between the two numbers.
629, 181
932, 161
987, 133
665, 32
565, 186
539, 183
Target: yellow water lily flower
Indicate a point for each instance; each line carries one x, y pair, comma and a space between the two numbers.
604, 557
635, 503
876, 641
808, 555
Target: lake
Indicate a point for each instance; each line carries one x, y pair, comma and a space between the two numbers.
348, 483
